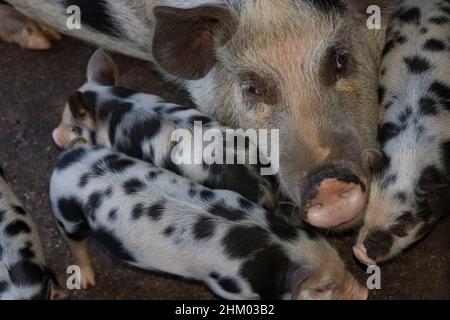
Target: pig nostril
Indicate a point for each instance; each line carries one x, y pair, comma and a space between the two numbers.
318, 206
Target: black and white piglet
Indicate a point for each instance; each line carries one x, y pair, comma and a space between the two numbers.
153, 219
23, 271
410, 192
141, 125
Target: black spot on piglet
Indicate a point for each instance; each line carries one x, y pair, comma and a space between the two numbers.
133, 186
20, 210
403, 224
156, 211
25, 273
203, 228
411, 15
417, 65
434, 45
229, 285
378, 244
98, 15
113, 245
71, 210
69, 158
17, 227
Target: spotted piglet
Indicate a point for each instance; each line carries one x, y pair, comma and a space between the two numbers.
141, 125
410, 192
153, 219
23, 272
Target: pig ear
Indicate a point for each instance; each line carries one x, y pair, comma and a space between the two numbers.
82, 109
185, 39
102, 69
372, 159
296, 275
435, 187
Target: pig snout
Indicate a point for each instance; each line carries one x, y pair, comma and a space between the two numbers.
63, 136
58, 137
336, 197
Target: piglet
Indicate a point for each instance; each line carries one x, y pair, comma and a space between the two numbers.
410, 190
141, 125
24, 274
153, 219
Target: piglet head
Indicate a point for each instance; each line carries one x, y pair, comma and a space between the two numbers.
328, 282
397, 218
78, 121
306, 285
79, 118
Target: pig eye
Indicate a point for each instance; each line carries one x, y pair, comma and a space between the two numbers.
76, 130
341, 62
258, 89
253, 89
336, 65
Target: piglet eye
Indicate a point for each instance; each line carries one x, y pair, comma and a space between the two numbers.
76, 130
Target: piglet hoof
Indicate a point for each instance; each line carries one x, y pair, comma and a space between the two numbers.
87, 277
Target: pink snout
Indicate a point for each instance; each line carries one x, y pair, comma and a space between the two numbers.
59, 137
336, 202
360, 253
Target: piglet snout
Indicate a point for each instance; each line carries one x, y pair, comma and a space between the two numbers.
56, 134
360, 253
335, 203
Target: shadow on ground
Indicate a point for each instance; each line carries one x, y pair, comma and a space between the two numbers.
33, 89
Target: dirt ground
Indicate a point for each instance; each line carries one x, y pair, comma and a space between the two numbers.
33, 89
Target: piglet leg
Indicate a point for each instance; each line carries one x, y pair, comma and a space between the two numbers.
80, 254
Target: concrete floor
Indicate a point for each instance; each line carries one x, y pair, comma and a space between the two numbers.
33, 89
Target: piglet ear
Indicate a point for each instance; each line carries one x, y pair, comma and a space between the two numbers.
102, 69
82, 109
435, 187
295, 276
